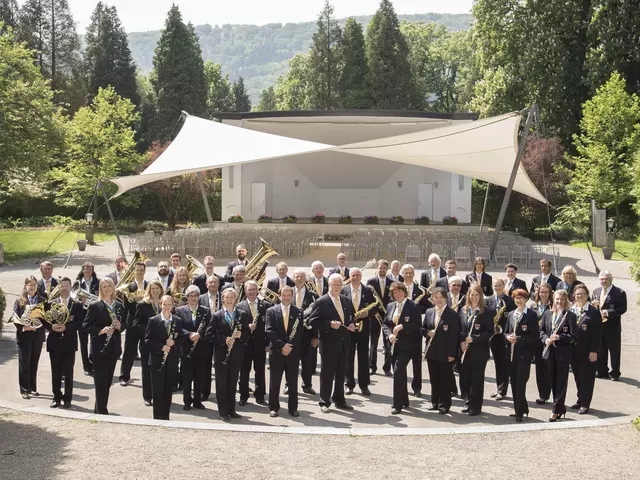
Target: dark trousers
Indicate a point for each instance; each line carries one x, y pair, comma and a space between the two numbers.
332, 373
499, 352
208, 375
29, 351
386, 353
131, 341
147, 393
226, 385
542, 374
307, 358
559, 376
162, 381
280, 364
584, 373
416, 362
400, 391
519, 372
457, 367
359, 343
256, 356
62, 363
610, 345
472, 382
83, 339
376, 329
440, 376
104, 366
193, 375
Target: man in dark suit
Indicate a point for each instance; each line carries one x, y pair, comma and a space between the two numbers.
239, 275
451, 267
545, 277
612, 302
395, 271
434, 273
200, 281
342, 268
512, 282
241, 254
381, 283
276, 283
195, 320
121, 266
165, 276
62, 344
455, 298
213, 302
133, 337
284, 325
47, 283
332, 315
360, 297
319, 280
303, 298
255, 350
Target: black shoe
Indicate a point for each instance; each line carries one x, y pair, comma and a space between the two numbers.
519, 419
262, 402
575, 406
443, 411
395, 411
147, 403
540, 401
387, 373
286, 390
242, 402
186, 408
273, 414
366, 392
250, 390
123, 383
372, 371
348, 391
34, 394
606, 375
66, 405
494, 395
499, 397
294, 414
583, 411
615, 379
25, 396
225, 418
235, 415
466, 409
515, 415
199, 406
555, 416
88, 373
417, 394
432, 408
55, 404
309, 390
473, 413
344, 406
175, 389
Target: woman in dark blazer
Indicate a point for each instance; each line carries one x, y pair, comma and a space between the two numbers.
569, 281
104, 321
541, 303
521, 335
480, 277
556, 335
163, 338
584, 359
441, 328
29, 339
476, 323
401, 327
147, 308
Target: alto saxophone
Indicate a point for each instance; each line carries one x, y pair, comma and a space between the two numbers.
367, 309
497, 328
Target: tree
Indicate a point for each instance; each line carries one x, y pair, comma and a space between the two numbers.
219, 95
241, 97
31, 131
352, 86
602, 169
390, 79
107, 56
148, 109
268, 100
101, 144
8, 14
325, 61
179, 80
292, 89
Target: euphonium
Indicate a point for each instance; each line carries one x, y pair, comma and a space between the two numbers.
129, 274
193, 266
254, 268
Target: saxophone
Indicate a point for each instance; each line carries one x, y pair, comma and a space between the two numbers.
497, 329
424, 292
367, 309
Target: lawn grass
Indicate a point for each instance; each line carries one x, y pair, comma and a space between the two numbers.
22, 245
625, 249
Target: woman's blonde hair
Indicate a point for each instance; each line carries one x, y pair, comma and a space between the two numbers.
175, 286
147, 293
106, 281
569, 270
478, 289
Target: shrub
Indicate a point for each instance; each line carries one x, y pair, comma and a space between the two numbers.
449, 220
154, 225
422, 220
397, 220
265, 219
290, 219
235, 218
371, 219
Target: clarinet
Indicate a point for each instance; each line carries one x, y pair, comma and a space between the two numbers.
555, 332
237, 326
165, 355
195, 344
109, 335
473, 321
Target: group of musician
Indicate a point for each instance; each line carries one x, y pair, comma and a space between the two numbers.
189, 328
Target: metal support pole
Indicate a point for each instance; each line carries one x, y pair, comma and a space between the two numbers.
512, 180
484, 208
203, 191
113, 220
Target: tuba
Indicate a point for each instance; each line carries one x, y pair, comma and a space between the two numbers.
255, 268
122, 288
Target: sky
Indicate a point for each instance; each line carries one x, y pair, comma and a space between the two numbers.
143, 15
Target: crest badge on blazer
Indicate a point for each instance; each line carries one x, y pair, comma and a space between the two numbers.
524, 327
406, 319
565, 329
445, 328
585, 327
476, 326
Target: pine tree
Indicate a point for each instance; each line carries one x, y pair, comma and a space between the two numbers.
353, 80
241, 97
179, 80
219, 96
292, 90
8, 14
268, 100
390, 78
107, 56
325, 61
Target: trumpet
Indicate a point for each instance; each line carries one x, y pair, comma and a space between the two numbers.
81, 295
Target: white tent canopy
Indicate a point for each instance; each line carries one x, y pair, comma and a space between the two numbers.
485, 149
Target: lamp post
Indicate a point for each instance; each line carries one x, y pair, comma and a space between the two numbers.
89, 228
607, 251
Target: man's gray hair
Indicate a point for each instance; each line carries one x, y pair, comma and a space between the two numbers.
335, 276
239, 268
455, 279
605, 274
405, 267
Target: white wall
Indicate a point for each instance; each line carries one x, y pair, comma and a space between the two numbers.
461, 199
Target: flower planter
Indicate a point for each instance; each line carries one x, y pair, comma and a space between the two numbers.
235, 220
290, 220
371, 220
265, 220
396, 220
82, 245
318, 220
422, 221
449, 221
345, 220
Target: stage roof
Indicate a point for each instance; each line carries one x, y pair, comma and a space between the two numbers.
483, 149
